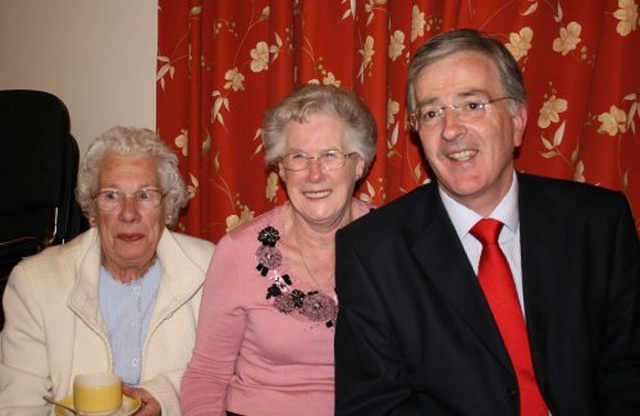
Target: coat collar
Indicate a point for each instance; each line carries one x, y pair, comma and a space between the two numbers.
440, 253
181, 279
438, 250
540, 234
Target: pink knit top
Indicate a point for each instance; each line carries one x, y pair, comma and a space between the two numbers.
250, 357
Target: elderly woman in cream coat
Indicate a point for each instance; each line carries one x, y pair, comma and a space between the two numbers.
122, 297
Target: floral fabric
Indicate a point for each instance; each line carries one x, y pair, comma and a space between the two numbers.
222, 63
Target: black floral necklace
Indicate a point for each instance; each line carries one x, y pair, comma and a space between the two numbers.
315, 305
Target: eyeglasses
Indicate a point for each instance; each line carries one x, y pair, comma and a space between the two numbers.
466, 111
144, 199
331, 159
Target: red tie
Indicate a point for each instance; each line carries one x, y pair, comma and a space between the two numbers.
496, 280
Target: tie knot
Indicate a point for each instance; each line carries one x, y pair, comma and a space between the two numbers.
487, 231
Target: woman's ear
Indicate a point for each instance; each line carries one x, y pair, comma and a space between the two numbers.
92, 217
359, 169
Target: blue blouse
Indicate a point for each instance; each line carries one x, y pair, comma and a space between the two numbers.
127, 309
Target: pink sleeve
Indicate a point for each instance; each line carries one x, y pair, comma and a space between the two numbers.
221, 327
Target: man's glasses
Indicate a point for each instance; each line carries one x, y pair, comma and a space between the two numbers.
144, 199
466, 111
331, 159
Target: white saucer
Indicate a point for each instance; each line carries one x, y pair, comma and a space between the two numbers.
129, 407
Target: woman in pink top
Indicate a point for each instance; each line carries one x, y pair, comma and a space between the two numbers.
265, 333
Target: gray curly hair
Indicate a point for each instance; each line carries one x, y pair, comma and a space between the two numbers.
323, 99
131, 141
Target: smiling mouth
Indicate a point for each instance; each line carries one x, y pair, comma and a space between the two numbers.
316, 194
463, 155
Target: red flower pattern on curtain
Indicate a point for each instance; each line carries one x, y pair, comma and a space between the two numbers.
222, 63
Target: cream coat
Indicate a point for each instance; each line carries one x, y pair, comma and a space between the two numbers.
54, 328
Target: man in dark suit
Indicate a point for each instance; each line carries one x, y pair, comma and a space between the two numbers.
416, 334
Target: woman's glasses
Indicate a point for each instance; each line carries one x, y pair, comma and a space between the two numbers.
331, 159
144, 199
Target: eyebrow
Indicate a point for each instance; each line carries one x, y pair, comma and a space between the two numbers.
115, 188
298, 151
476, 92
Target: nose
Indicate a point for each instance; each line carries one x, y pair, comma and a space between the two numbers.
315, 168
451, 125
129, 210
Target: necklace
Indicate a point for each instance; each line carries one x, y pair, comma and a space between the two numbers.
318, 283
304, 263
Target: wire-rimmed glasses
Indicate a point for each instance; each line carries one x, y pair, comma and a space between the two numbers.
466, 111
331, 159
144, 199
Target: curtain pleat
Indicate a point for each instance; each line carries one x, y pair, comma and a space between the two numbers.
223, 63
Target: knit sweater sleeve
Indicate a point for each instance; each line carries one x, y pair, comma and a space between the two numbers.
221, 327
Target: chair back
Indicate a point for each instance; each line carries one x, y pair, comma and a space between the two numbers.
38, 168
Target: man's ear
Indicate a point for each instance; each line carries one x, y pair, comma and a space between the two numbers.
519, 124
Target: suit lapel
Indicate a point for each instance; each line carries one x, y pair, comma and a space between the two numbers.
441, 255
539, 235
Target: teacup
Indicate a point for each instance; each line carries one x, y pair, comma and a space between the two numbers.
97, 393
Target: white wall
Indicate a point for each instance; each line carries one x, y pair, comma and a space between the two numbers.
98, 56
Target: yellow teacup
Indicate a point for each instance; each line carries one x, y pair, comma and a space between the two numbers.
97, 393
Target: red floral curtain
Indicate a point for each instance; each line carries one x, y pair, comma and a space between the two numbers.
222, 63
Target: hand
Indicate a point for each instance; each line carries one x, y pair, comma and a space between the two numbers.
149, 407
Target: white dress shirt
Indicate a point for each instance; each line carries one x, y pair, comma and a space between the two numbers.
506, 212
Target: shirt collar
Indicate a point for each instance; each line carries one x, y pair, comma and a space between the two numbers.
464, 218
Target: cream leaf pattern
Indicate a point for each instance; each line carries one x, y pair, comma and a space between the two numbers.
627, 14
520, 43
550, 111
221, 65
612, 122
569, 38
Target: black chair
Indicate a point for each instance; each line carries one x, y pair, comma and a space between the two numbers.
38, 168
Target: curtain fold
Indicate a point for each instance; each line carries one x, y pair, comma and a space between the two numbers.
223, 63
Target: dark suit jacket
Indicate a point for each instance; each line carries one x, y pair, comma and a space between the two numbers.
415, 336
